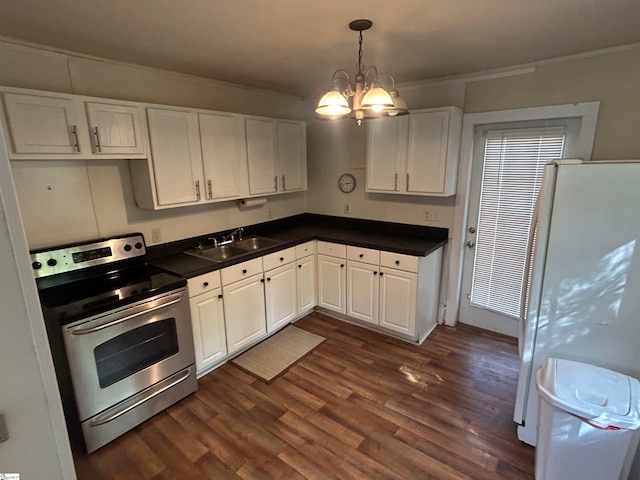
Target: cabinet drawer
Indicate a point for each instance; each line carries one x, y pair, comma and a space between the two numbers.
276, 259
242, 270
203, 283
364, 255
399, 261
332, 249
304, 249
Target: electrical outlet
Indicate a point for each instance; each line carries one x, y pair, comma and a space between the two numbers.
347, 208
156, 235
430, 215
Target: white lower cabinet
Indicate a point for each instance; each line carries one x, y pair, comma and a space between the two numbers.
207, 320
306, 284
394, 291
244, 312
280, 296
398, 301
332, 276
362, 288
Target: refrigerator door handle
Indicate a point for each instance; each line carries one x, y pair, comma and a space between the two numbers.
526, 290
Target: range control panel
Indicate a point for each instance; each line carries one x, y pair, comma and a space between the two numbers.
83, 255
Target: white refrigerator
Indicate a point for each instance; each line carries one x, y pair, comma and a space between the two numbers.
584, 289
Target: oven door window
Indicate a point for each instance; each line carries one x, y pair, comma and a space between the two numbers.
135, 350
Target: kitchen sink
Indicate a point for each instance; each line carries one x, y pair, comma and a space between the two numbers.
217, 254
255, 243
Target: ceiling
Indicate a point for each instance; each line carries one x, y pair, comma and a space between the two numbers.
293, 46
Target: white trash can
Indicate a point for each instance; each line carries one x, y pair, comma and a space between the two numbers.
588, 422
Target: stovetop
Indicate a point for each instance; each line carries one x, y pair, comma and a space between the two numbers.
84, 279
89, 296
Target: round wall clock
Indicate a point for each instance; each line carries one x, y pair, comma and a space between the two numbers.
347, 183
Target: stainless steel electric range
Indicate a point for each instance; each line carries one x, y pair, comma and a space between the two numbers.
120, 334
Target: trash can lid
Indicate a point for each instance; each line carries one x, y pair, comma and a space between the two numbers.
595, 393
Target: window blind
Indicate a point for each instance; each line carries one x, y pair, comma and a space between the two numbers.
512, 176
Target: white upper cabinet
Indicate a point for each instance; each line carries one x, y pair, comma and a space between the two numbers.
44, 125
224, 156
277, 156
292, 155
177, 160
416, 154
196, 157
115, 129
386, 147
261, 156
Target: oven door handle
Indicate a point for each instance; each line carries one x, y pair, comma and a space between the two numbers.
175, 298
140, 398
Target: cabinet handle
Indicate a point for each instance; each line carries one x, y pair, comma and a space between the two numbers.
275, 183
299, 266
407, 182
375, 273
262, 280
220, 296
205, 284
97, 139
283, 184
282, 259
268, 279
198, 190
244, 272
362, 255
381, 273
74, 134
342, 265
395, 185
397, 262
209, 189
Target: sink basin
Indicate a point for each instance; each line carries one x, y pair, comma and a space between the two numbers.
217, 254
255, 243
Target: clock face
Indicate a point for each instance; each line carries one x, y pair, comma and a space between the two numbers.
347, 183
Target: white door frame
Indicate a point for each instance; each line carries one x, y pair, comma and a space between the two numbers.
27, 371
587, 111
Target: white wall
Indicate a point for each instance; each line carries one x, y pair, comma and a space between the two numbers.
67, 201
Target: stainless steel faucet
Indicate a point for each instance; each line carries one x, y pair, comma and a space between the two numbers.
227, 239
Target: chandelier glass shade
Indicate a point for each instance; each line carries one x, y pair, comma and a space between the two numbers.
366, 97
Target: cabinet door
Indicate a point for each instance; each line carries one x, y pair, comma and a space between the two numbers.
280, 296
261, 156
223, 152
427, 152
209, 337
362, 291
385, 154
331, 283
177, 162
306, 280
398, 297
244, 312
44, 125
115, 129
292, 156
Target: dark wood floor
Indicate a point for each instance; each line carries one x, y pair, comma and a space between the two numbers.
361, 405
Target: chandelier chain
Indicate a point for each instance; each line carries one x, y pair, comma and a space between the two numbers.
360, 66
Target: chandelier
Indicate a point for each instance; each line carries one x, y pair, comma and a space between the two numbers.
369, 99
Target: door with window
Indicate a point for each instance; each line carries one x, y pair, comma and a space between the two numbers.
508, 161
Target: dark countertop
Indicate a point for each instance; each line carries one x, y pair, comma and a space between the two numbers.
393, 237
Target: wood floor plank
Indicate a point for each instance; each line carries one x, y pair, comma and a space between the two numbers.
361, 406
